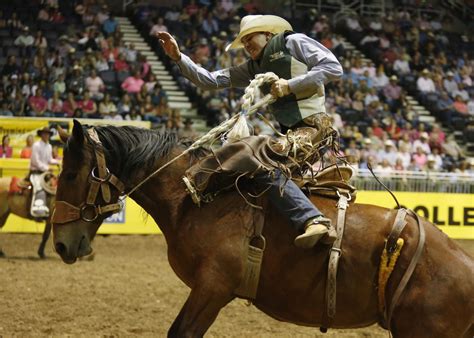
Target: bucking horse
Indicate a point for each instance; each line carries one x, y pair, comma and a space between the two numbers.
208, 245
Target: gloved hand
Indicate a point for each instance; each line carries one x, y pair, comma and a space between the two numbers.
280, 88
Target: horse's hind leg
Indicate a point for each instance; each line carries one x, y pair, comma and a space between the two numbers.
44, 240
208, 296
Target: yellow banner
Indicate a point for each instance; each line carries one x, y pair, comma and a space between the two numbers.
454, 213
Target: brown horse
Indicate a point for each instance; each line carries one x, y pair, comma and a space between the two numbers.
206, 245
19, 204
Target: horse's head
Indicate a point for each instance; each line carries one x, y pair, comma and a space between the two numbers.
87, 193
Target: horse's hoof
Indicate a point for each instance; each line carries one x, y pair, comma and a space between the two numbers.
2, 254
41, 255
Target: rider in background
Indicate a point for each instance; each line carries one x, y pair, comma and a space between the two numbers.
41, 158
303, 66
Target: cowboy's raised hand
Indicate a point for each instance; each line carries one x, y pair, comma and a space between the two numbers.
280, 88
170, 45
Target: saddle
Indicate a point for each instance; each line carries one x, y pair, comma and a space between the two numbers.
49, 183
329, 182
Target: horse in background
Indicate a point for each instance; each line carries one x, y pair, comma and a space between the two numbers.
19, 203
207, 245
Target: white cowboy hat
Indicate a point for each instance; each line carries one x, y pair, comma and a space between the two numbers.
259, 23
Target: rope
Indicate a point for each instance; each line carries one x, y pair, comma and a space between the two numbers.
251, 92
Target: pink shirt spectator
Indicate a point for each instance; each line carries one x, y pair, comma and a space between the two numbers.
132, 84
420, 159
38, 104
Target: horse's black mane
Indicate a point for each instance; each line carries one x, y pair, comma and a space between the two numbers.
128, 149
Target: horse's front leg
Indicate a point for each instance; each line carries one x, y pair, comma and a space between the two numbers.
44, 240
210, 293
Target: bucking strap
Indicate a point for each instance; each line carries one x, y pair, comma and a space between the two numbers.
334, 255
411, 267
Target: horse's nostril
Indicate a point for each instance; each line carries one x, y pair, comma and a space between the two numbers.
60, 249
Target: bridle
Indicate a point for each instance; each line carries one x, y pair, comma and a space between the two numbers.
100, 178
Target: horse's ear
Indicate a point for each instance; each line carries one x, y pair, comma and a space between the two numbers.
78, 132
63, 135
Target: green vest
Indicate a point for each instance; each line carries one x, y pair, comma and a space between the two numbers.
291, 109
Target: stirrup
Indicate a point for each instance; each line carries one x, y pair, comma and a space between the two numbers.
192, 191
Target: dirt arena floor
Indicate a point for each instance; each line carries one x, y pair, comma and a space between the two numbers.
128, 290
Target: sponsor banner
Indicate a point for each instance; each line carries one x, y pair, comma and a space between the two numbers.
452, 213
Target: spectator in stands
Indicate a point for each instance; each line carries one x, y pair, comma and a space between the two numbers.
133, 115
14, 22
424, 83
88, 106
422, 143
393, 93
110, 26
462, 92
188, 131
55, 105
10, 67
404, 155
389, 153
102, 14
24, 41
5, 108
101, 64
419, 158
75, 83
59, 85
143, 65
94, 85
38, 104
449, 83
210, 26
158, 26
133, 84
18, 104
202, 52
460, 106
113, 115
12, 87
6, 151
125, 105
70, 104
131, 54
402, 65
380, 80
106, 106
157, 94
150, 82
40, 41
26, 151
121, 64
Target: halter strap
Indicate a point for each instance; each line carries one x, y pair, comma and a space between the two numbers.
100, 179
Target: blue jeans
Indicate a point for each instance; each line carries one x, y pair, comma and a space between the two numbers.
294, 204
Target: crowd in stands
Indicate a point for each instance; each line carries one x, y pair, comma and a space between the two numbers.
69, 59
88, 71
376, 122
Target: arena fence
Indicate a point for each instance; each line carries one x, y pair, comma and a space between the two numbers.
416, 181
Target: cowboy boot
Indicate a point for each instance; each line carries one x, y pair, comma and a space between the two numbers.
315, 229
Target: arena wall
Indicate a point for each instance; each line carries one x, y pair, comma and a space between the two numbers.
453, 213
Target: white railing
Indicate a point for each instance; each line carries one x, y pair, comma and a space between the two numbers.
415, 181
